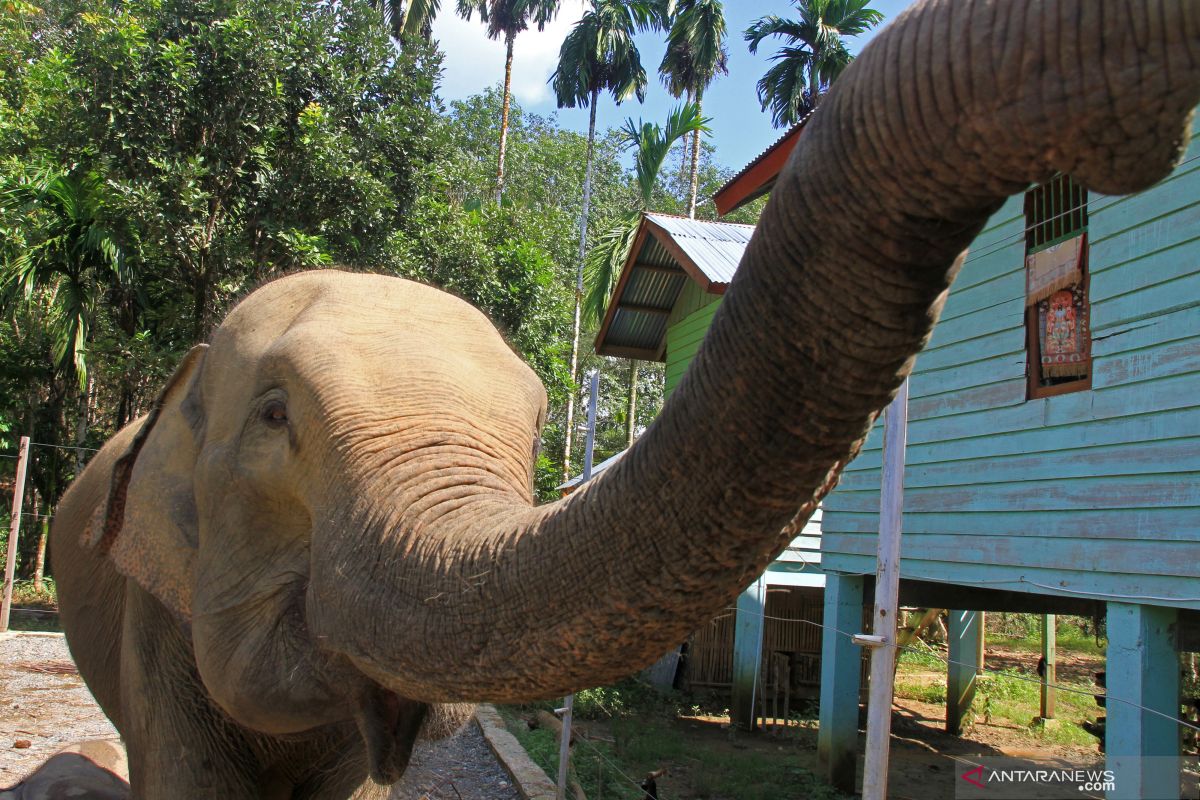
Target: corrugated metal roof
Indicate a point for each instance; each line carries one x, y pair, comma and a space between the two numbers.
715, 248
668, 251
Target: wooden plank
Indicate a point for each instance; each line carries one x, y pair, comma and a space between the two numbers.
1007, 313
968, 375
1127, 459
1007, 341
995, 290
1160, 524
1167, 590
1156, 426
963, 401
1162, 329
1124, 556
1152, 301
1172, 490
1137, 221
1177, 358
1151, 266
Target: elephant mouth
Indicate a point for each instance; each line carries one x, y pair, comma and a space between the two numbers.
389, 725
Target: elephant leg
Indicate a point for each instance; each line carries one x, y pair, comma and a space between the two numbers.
179, 743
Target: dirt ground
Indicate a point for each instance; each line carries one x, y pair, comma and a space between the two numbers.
44, 706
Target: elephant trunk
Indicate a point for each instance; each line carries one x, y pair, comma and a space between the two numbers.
951, 109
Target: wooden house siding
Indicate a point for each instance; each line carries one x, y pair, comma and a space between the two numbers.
1096, 491
689, 321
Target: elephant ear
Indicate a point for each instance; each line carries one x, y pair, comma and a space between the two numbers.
148, 525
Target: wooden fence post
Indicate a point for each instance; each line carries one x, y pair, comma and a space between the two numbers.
14, 532
885, 622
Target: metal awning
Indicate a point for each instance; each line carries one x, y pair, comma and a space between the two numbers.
667, 252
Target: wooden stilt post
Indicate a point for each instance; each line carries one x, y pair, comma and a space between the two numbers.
982, 642
748, 628
564, 745
841, 671
14, 532
964, 633
1049, 693
885, 622
1142, 748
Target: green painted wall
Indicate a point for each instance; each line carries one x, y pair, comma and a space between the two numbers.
1095, 491
689, 321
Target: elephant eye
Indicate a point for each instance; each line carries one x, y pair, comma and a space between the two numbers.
275, 413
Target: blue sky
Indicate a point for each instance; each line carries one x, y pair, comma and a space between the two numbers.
741, 130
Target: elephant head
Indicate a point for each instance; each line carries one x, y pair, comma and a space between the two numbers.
335, 495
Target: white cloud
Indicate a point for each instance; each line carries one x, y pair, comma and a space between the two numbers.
473, 62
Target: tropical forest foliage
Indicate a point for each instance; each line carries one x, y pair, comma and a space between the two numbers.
161, 158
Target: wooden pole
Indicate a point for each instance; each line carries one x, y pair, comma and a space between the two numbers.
14, 532
564, 744
887, 606
982, 642
1048, 660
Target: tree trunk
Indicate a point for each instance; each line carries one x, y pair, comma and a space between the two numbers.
39, 561
508, 59
631, 411
695, 164
81, 426
583, 227
814, 81
199, 306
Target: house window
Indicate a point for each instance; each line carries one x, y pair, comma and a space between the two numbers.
1057, 313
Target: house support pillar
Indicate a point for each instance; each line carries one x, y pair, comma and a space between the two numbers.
747, 652
965, 632
841, 670
1142, 747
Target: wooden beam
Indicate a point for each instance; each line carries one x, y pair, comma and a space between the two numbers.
618, 351
758, 177
640, 309
660, 269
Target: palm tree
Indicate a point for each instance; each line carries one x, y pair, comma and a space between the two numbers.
407, 18
507, 18
695, 55
599, 55
651, 143
73, 254
814, 55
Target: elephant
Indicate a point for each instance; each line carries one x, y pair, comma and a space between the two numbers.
321, 543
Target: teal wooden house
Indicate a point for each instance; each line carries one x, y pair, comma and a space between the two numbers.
1052, 461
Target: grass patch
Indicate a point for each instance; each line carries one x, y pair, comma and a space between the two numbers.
40, 603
